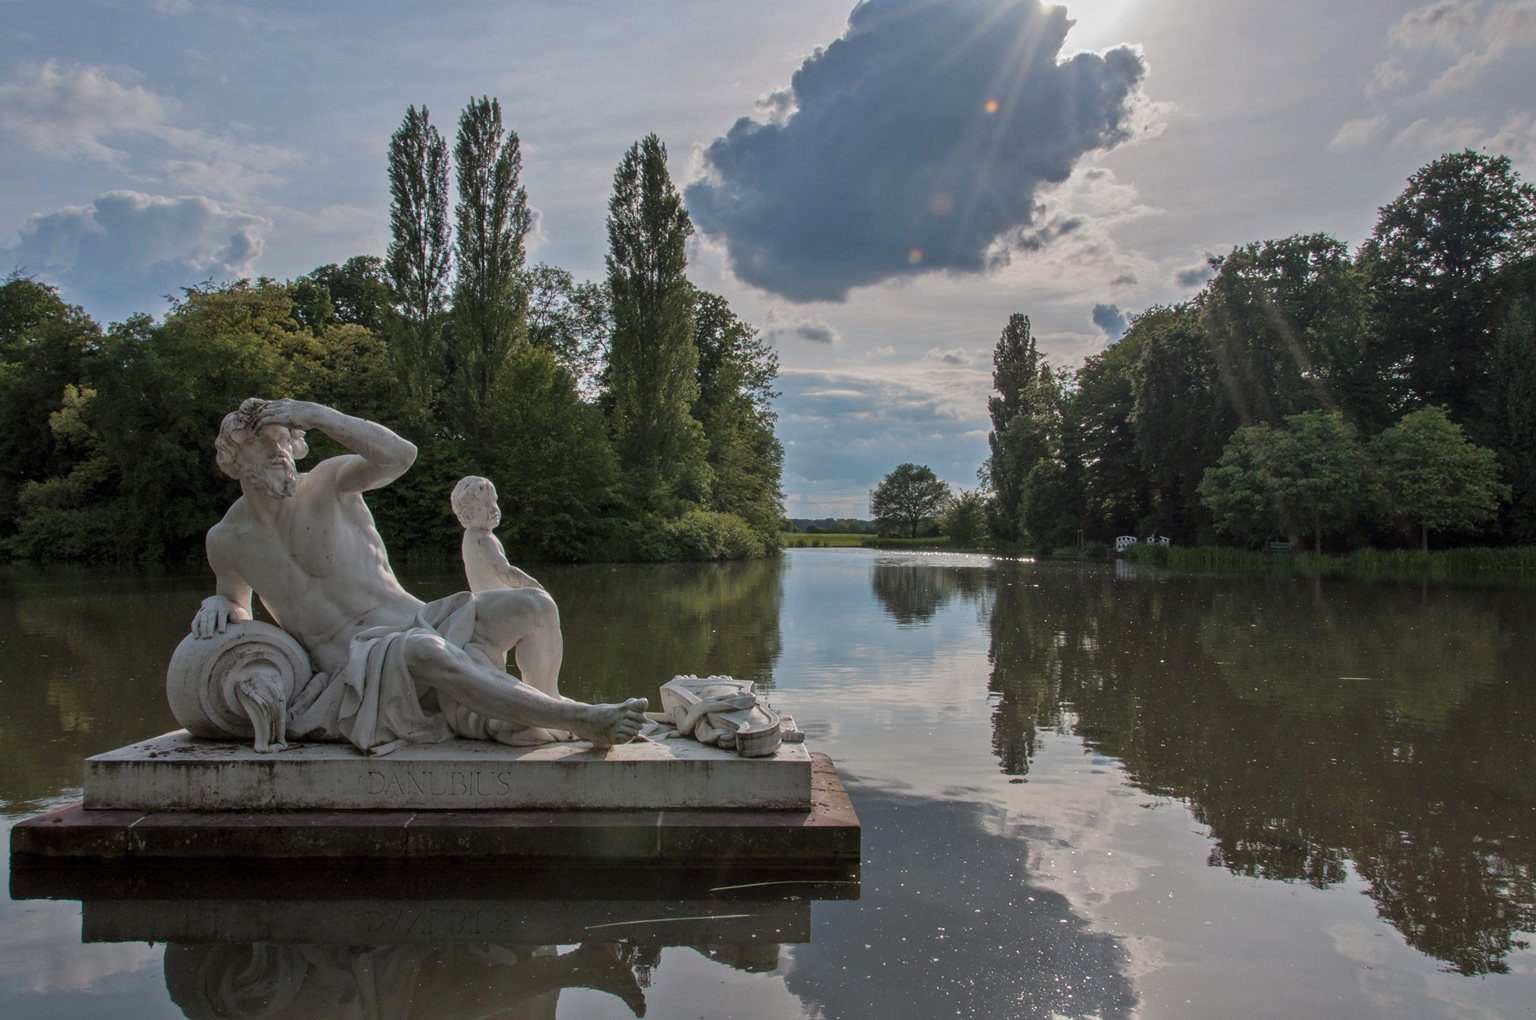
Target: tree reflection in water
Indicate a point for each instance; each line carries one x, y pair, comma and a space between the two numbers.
912, 593
1310, 726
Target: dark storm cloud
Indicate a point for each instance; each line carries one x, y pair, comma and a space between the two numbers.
915, 142
1111, 320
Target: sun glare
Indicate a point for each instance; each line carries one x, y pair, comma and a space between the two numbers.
1097, 21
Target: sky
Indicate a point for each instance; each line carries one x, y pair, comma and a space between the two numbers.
876, 187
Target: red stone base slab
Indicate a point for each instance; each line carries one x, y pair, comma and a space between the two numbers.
828, 832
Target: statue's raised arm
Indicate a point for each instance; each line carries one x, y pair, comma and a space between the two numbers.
381, 456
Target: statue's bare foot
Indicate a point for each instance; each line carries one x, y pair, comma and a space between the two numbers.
525, 736
606, 725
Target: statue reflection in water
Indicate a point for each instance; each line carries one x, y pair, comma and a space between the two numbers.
267, 981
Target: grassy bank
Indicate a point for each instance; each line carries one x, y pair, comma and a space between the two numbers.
1514, 565
844, 541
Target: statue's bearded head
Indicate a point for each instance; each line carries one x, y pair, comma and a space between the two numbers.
474, 503
266, 458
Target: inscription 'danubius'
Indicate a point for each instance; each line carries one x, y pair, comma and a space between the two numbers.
438, 783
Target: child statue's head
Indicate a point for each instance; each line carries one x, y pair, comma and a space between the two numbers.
474, 503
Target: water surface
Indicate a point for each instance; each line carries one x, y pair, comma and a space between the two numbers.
1085, 793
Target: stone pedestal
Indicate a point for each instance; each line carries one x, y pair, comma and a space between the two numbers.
178, 772
824, 828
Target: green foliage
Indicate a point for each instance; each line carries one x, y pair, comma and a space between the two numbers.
653, 361
964, 520
1115, 492
1434, 264
1434, 479
1314, 477
710, 535
357, 290
908, 498
419, 259
1310, 477
44, 344
1286, 322
1050, 505
573, 321
1515, 375
736, 370
489, 302
1015, 372
549, 455
1180, 418
1242, 490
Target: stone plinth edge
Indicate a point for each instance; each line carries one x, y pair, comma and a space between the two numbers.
827, 831
179, 772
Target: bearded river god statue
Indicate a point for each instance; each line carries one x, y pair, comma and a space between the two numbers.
354, 656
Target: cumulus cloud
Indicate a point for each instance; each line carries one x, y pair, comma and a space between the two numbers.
806, 327
106, 255
72, 113
1111, 320
953, 356
68, 112
914, 143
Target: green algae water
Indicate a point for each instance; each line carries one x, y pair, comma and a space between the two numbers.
1086, 792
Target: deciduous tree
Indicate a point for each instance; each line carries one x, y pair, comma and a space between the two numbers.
1515, 372
573, 321
908, 498
1181, 420
1288, 329
1434, 478
1311, 476
1434, 263
736, 370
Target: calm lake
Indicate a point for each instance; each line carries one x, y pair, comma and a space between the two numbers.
1085, 793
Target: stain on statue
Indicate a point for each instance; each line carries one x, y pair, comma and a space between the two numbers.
354, 656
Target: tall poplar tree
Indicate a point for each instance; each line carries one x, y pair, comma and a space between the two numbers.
418, 260
1016, 366
489, 303
652, 365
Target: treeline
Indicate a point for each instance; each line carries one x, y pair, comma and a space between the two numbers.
1335, 398
625, 419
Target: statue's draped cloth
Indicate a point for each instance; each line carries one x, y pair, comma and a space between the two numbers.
372, 703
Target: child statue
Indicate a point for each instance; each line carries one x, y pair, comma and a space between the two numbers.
485, 559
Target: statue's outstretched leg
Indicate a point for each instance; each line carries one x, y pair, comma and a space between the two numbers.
434, 664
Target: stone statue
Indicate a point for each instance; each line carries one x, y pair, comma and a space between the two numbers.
485, 559
390, 669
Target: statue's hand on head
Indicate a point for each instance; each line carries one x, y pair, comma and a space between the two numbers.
214, 616
292, 414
